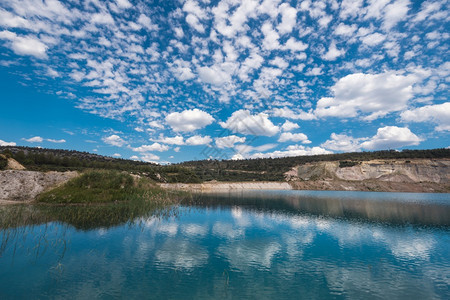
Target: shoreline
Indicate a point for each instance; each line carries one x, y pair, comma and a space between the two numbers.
318, 185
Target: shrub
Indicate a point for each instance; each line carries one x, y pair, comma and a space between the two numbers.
3, 162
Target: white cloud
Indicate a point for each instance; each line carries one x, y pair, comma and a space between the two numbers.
439, 114
395, 12
229, 141
288, 113
288, 126
369, 96
3, 143
294, 137
146, 22
279, 62
288, 18
189, 120
271, 37
373, 39
176, 140
123, 3
56, 141
391, 137
153, 147
213, 75
114, 140
346, 30
293, 150
102, 18
117, 155
333, 52
342, 142
149, 157
194, 22
198, 140
316, 71
36, 139
294, 45
25, 45
243, 122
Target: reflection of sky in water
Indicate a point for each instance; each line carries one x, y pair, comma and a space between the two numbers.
233, 253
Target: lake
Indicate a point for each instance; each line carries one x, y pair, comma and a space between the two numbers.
239, 245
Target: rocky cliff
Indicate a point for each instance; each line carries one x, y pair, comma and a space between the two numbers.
24, 186
417, 175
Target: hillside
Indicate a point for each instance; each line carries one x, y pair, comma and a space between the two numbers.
379, 170
274, 169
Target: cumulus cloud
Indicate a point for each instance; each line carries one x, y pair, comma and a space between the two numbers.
189, 120
368, 96
24, 45
243, 122
288, 126
333, 52
3, 143
213, 75
293, 150
149, 157
114, 140
373, 39
35, 139
288, 113
229, 141
198, 140
176, 140
342, 142
391, 137
288, 18
294, 137
388, 137
56, 141
438, 114
153, 147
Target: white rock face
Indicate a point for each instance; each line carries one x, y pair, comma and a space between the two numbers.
227, 186
423, 170
18, 185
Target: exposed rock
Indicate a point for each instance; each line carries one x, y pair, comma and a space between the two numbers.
24, 186
14, 165
418, 175
228, 186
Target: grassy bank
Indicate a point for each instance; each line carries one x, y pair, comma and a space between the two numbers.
102, 186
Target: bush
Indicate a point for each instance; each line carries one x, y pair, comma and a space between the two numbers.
3, 162
347, 163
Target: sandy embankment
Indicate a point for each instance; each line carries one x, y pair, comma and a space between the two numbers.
18, 186
227, 186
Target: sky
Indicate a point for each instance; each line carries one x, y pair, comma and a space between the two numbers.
170, 81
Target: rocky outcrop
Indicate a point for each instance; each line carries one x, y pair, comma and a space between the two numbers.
227, 186
418, 175
24, 186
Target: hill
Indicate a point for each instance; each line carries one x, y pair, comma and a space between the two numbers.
264, 169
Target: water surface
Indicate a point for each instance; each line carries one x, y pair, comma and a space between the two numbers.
254, 245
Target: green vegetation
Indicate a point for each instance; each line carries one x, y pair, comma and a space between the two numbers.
267, 169
273, 169
3, 162
39, 159
348, 163
101, 186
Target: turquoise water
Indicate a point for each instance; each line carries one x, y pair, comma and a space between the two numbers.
252, 245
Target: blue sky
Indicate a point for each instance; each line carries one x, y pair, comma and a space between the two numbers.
168, 81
